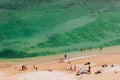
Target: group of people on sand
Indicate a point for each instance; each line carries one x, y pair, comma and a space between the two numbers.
103, 66
35, 67
84, 49
85, 71
80, 70
100, 71
24, 68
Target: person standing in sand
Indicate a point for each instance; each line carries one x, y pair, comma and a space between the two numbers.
91, 49
101, 48
36, 68
65, 56
89, 69
84, 49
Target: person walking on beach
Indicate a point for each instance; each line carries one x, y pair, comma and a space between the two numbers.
81, 49
84, 49
101, 48
90, 48
65, 56
36, 68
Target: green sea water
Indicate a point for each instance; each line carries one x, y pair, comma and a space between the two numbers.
31, 28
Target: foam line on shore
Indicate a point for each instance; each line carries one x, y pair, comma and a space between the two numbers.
76, 58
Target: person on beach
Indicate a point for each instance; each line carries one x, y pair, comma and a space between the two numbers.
50, 69
104, 65
74, 67
90, 48
24, 67
112, 65
101, 48
98, 72
35, 67
81, 49
87, 63
89, 69
65, 56
78, 72
61, 60
84, 49
70, 67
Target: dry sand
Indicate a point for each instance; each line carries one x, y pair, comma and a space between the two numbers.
109, 56
45, 75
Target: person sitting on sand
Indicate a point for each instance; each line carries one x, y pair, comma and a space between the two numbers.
98, 72
104, 65
78, 72
87, 63
83, 71
70, 67
50, 69
112, 65
61, 60
24, 67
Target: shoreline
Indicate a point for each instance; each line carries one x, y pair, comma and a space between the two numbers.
55, 56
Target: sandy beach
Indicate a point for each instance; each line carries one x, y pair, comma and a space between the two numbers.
61, 71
